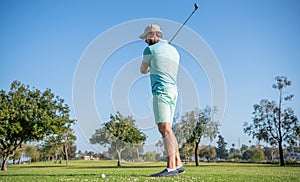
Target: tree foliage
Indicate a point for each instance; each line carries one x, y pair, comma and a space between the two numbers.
32, 152
273, 123
254, 154
208, 152
149, 156
234, 154
159, 145
61, 142
187, 150
194, 126
119, 132
28, 115
222, 152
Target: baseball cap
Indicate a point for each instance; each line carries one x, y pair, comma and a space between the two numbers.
150, 28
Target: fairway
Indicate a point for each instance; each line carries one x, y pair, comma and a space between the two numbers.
91, 170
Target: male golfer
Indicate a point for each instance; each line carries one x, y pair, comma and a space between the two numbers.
162, 60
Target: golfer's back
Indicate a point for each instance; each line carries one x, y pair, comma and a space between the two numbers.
164, 60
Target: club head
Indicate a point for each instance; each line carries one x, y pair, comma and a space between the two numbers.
196, 6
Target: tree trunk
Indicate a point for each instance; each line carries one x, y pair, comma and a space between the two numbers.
196, 154
207, 158
66, 153
137, 153
119, 159
4, 164
67, 158
281, 159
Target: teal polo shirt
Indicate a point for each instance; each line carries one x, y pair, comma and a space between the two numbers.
163, 59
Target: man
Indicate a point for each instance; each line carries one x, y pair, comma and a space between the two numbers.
162, 60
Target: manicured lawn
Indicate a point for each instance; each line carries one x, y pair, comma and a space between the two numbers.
91, 170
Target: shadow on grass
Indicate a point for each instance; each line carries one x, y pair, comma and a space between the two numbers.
53, 175
81, 175
88, 167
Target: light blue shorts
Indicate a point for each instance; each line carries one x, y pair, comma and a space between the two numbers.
164, 104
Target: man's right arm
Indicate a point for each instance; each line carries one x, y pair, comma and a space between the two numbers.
145, 67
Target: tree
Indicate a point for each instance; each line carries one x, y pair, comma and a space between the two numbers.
247, 155
32, 152
244, 148
187, 151
159, 145
149, 156
258, 154
72, 151
62, 141
17, 156
194, 126
208, 152
234, 153
80, 154
272, 122
117, 133
28, 115
270, 153
50, 151
222, 152
132, 152
254, 153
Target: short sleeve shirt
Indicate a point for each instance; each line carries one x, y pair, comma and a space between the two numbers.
163, 59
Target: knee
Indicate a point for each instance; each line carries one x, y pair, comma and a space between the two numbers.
164, 129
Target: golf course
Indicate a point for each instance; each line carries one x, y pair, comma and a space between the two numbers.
142, 91
80, 170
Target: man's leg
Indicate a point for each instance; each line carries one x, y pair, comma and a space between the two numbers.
162, 108
171, 147
170, 143
178, 160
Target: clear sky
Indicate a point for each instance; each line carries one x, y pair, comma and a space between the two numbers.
43, 42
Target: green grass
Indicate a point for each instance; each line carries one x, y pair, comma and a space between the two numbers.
91, 170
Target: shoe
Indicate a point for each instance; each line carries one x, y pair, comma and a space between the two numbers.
181, 170
165, 173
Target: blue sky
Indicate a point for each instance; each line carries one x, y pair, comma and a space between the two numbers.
42, 43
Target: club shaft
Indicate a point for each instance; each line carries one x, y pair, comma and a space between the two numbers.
182, 25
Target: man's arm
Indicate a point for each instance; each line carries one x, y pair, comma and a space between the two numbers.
145, 67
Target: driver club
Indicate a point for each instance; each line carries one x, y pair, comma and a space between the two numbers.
195, 8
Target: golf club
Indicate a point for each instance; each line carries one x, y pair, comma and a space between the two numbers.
195, 8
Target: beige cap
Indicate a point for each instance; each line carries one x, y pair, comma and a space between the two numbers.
150, 28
